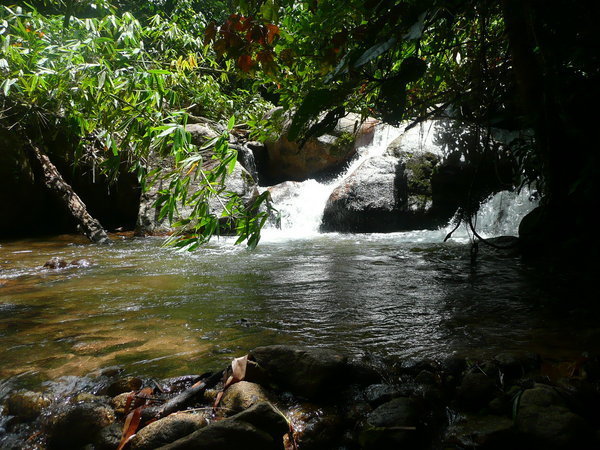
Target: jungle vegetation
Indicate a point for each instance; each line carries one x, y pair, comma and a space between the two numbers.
123, 78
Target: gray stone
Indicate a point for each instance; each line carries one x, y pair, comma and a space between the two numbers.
516, 364
167, 430
225, 435
391, 192
291, 160
239, 181
201, 133
308, 372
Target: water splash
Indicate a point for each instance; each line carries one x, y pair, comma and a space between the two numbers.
500, 214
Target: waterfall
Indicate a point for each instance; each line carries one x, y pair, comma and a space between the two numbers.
501, 213
301, 204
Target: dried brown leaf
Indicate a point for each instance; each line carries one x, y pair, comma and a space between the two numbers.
132, 422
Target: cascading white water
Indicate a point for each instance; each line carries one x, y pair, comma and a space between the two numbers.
301, 204
500, 214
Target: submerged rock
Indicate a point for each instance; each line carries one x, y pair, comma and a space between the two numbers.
60, 263
56, 263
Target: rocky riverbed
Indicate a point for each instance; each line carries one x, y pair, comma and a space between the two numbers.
290, 397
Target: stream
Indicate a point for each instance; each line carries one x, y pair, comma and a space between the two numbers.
157, 312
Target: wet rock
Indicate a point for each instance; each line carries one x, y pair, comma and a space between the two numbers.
481, 432
242, 395
362, 373
500, 405
392, 425
26, 405
376, 394
475, 391
121, 385
109, 437
118, 402
73, 426
260, 427
167, 430
111, 371
451, 368
545, 420
516, 364
308, 372
398, 412
322, 433
81, 262
83, 397
426, 377
56, 263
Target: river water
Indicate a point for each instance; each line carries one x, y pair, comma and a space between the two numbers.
158, 312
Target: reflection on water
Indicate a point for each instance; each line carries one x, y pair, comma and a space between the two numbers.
158, 312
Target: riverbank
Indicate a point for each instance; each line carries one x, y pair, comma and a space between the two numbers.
300, 397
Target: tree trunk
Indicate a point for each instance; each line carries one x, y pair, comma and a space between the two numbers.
54, 182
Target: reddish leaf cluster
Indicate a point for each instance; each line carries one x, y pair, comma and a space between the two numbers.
247, 40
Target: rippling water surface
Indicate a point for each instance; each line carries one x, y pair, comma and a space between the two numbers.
158, 312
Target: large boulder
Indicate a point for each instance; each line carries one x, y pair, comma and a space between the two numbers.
308, 372
385, 193
318, 156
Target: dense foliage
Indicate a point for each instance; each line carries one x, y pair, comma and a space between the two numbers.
126, 75
125, 91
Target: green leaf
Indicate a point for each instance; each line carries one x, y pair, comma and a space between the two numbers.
375, 51
231, 123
